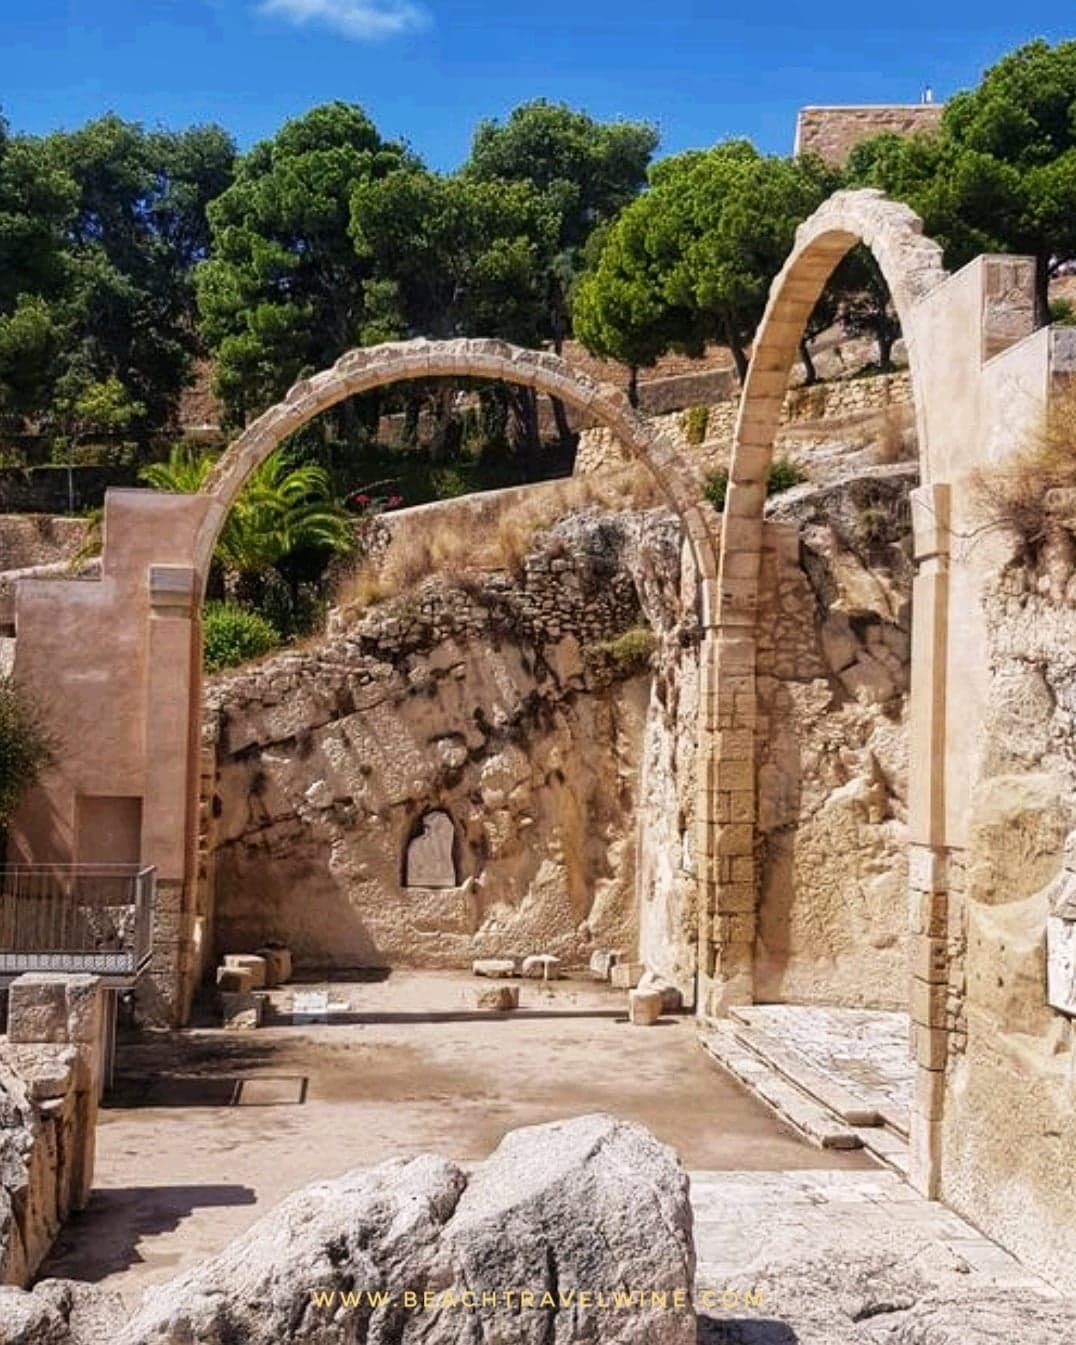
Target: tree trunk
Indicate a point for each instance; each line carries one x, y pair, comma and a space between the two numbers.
564, 430
1042, 289
633, 386
736, 347
439, 445
810, 373
885, 339
534, 440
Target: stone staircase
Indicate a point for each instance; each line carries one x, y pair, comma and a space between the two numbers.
836, 1075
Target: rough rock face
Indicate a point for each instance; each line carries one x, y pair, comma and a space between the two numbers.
561, 1210
834, 645
1004, 1030
59, 1312
42, 1136
883, 1297
491, 710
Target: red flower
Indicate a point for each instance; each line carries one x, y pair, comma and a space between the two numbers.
394, 501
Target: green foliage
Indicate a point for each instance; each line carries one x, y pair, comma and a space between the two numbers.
630, 652
716, 488
453, 256
691, 260
449, 482
26, 747
283, 290
233, 635
1063, 313
587, 171
694, 421
783, 475
282, 509
99, 231
1000, 176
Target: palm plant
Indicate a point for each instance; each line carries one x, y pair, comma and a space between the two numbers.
281, 509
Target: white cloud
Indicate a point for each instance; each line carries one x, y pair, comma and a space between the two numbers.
362, 20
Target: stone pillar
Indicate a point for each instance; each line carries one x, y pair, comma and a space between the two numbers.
170, 806
928, 856
727, 821
49, 1008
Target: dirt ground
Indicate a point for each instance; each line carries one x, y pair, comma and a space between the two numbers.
207, 1129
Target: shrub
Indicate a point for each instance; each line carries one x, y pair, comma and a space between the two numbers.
233, 635
630, 651
26, 747
694, 422
716, 488
1062, 313
783, 475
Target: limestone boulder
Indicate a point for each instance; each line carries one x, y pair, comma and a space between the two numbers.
999, 1317
564, 1211
59, 1312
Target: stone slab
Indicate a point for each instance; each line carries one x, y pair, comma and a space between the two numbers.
541, 966
602, 962
252, 963
498, 998
626, 975
241, 1011
278, 967
644, 1007
494, 966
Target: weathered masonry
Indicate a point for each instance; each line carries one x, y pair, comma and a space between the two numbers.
118, 661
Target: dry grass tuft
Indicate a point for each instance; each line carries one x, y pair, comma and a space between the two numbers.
1013, 494
472, 540
895, 428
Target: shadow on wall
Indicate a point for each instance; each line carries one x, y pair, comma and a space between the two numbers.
257, 901
104, 1239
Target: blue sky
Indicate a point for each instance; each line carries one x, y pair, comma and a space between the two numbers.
428, 70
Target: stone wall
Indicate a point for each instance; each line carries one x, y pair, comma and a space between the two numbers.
497, 701
56, 490
1010, 1136
837, 403
833, 679
570, 786
38, 539
50, 1077
833, 132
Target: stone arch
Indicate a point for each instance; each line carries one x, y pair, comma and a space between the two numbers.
365, 368
912, 267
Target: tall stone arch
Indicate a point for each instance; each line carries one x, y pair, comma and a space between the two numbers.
121, 657
371, 367
912, 267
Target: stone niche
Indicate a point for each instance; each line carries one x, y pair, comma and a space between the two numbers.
430, 860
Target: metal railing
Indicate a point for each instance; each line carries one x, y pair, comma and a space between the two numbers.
94, 918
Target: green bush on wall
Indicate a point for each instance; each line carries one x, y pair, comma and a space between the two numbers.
232, 635
783, 475
694, 421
